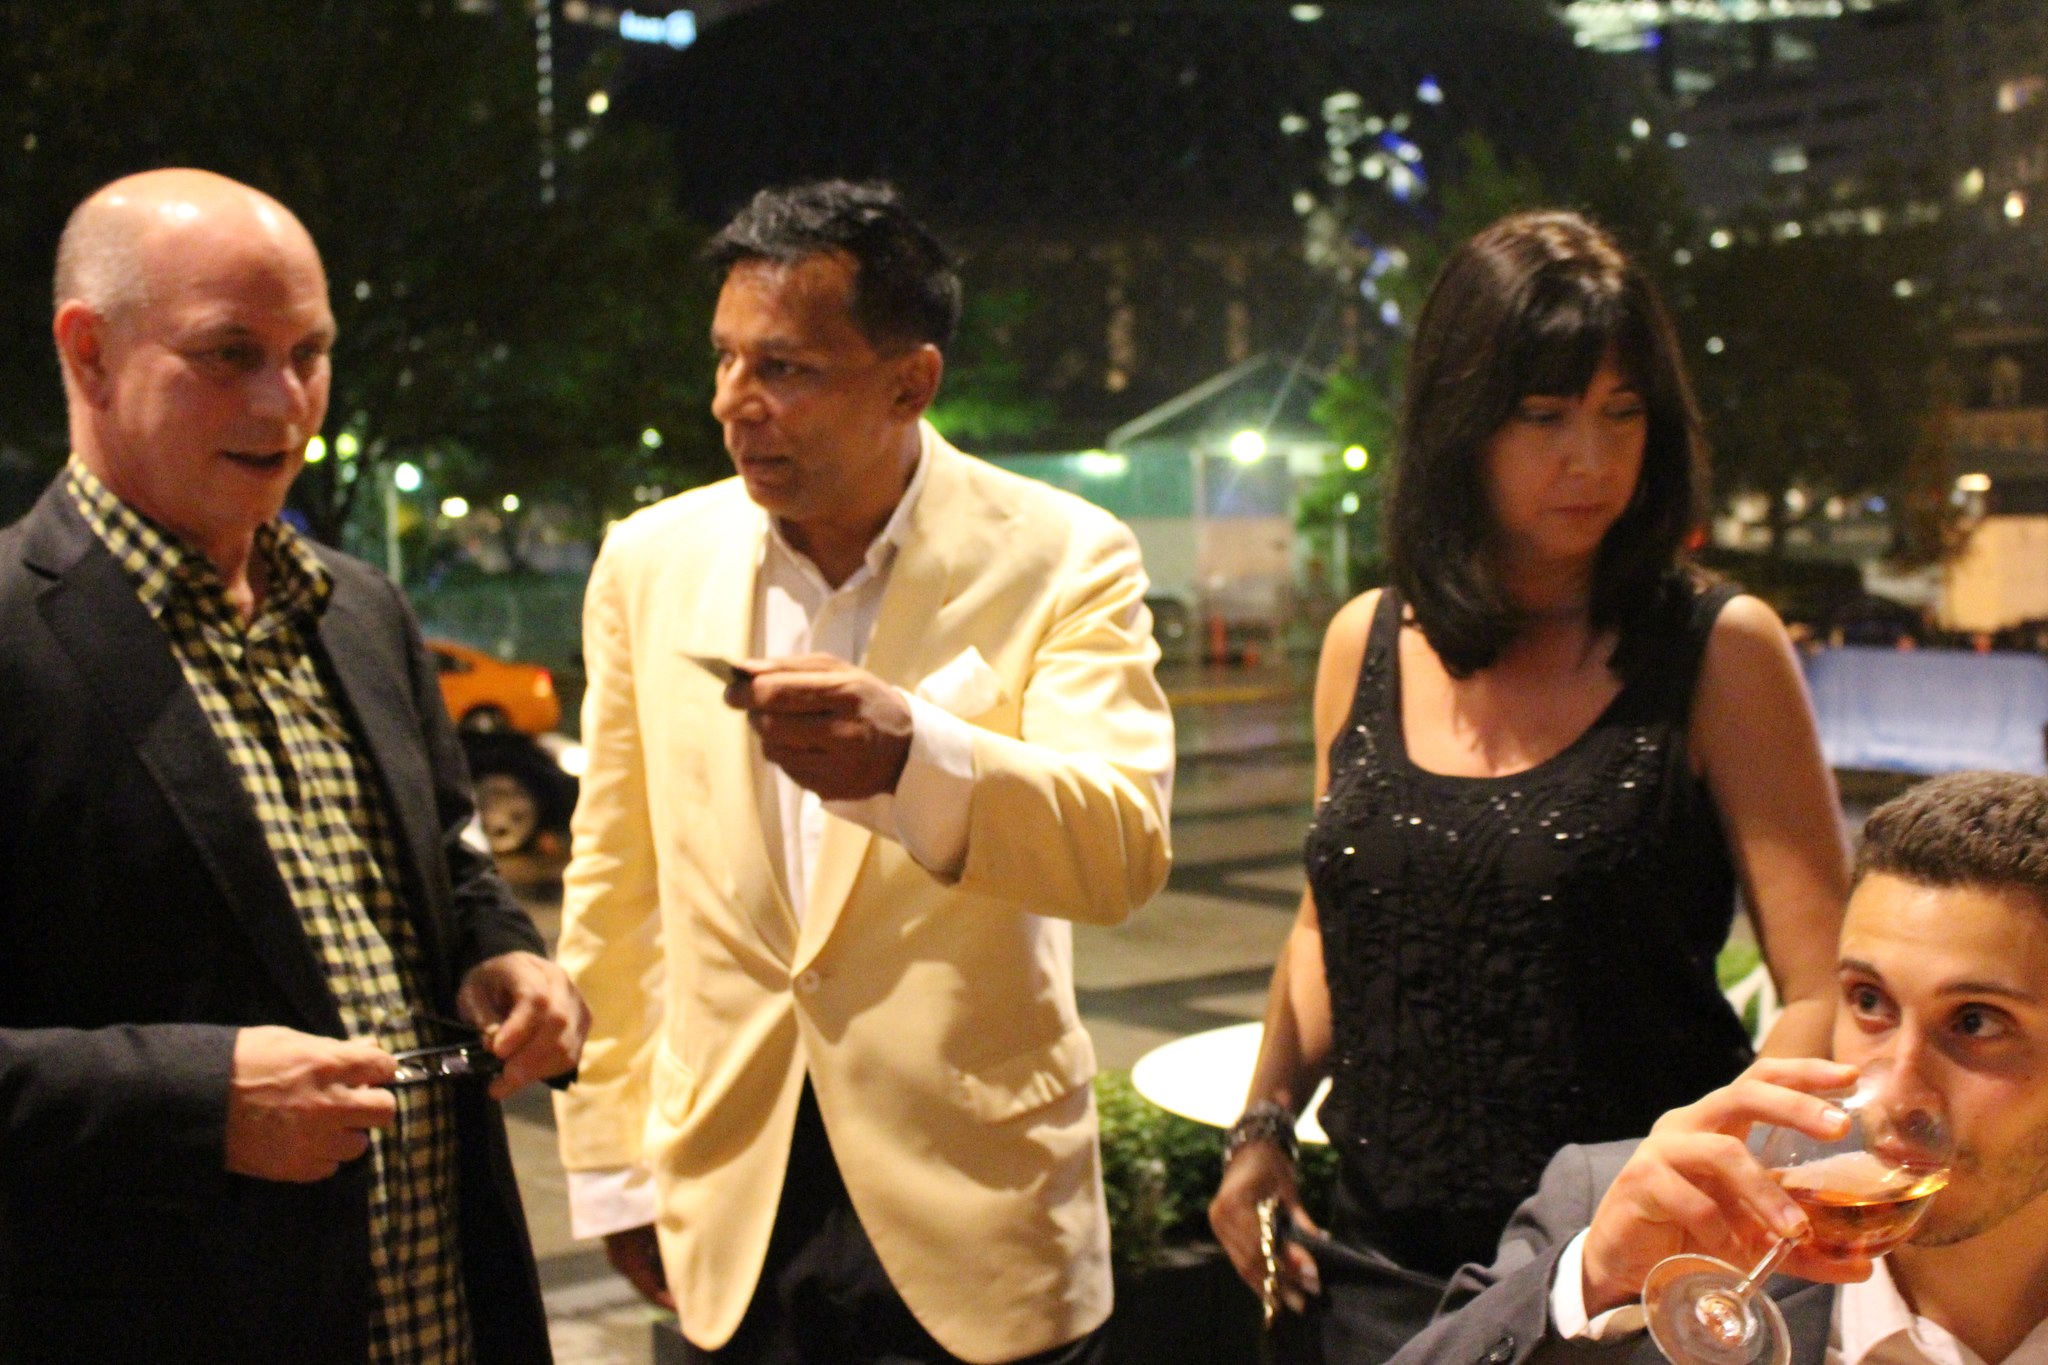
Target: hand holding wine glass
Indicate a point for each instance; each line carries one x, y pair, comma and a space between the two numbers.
1693, 1185
1862, 1193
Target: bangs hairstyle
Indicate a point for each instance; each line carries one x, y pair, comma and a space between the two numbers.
1978, 829
1531, 306
906, 290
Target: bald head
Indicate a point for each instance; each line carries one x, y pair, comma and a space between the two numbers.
193, 329
104, 258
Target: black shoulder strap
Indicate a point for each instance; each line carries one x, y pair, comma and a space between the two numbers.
1692, 648
1382, 641
1385, 631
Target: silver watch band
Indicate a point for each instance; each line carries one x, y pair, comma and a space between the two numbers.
1262, 1121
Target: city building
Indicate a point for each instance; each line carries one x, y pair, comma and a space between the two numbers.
1995, 62
1790, 118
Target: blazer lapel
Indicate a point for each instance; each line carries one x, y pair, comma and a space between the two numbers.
920, 582
369, 670
92, 610
721, 621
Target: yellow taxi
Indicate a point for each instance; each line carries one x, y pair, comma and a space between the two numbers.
484, 693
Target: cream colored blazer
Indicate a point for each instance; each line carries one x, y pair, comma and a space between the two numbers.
937, 1022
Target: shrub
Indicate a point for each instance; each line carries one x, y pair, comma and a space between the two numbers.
1160, 1170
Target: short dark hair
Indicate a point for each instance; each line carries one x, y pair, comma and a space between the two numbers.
1981, 829
1528, 306
906, 287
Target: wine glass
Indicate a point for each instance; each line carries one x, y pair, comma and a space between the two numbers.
1863, 1193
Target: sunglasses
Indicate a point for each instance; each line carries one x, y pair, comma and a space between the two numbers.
451, 1061
445, 1061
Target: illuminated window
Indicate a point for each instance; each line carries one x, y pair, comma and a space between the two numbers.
2006, 378
2019, 92
1789, 49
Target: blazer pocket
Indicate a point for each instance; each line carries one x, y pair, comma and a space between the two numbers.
966, 686
1030, 1080
675, 1086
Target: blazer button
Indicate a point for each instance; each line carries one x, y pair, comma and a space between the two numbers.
1502, 1351
807, 983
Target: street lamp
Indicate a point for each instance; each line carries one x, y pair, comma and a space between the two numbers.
1246, 447
1340, 544
405, 478
1102, 464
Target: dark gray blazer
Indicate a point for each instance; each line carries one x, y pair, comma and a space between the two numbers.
143, 922
1500, 1314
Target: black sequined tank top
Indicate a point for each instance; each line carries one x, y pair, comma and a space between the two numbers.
1517, 962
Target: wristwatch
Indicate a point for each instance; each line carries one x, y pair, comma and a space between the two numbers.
1262, 1121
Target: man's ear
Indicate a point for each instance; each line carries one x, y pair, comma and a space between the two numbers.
81, 335
917, 380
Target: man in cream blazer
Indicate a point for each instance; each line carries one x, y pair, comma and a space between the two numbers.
821, 911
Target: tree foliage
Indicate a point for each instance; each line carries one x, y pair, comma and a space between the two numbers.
984, 400
1816, 372
518, 344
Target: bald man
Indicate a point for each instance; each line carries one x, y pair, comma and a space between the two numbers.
233, 881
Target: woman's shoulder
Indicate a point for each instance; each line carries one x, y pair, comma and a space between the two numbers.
1343, 656
1699, 606
1747, 658
1744, 613
1747, 625
1711, 598
1353, 621
1724, 610
1695, 626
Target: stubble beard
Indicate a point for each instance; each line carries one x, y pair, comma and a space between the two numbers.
2012, 1185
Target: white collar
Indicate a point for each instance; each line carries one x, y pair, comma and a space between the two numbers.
894, 531
1870, 1313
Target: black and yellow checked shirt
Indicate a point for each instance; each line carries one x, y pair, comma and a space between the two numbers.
268, 695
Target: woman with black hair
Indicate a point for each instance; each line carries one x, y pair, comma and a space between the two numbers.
1547, 754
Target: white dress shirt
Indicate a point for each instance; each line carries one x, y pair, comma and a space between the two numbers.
796, 611
1872, 1323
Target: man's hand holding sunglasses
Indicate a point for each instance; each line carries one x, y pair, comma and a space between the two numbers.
300, 1105
530, 1015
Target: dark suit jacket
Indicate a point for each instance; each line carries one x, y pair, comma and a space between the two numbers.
1500, 1314
142, 922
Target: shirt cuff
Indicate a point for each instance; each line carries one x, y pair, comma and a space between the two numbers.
615, 1200
1568, 1302
928, 812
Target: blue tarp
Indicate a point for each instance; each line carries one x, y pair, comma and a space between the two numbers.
1930, 710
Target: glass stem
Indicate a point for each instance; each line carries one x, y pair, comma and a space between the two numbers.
1764, 1268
